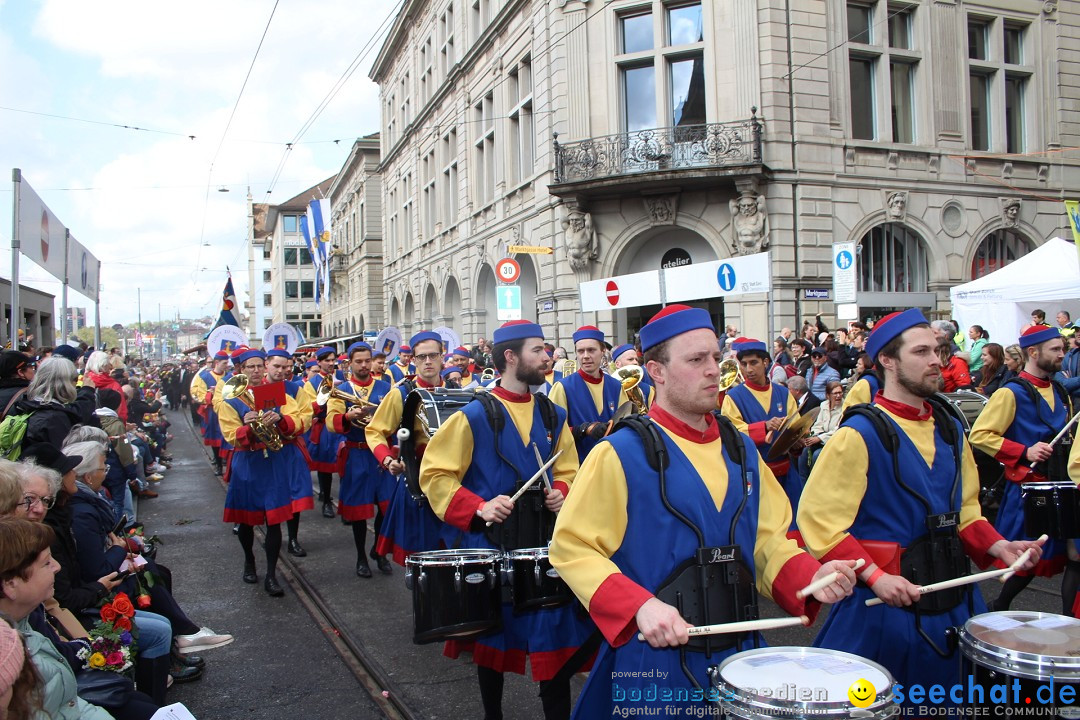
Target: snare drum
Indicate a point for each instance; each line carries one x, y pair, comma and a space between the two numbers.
533, 583
455, 593
966, 405
427, 409
1032, 648
800, 682
1051, 508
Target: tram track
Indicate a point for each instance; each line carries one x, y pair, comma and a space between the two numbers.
367, 671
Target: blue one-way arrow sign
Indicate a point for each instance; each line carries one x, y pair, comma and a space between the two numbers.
508, 302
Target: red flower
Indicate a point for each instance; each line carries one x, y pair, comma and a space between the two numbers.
143, 601
123, 623
133, 545
108, 613
122, 604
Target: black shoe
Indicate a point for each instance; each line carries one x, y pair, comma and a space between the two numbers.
250, 576
270, 584
219, 472
295, 549
236, 529
362, 569
193, 661
328, 510
384, 564
184, 674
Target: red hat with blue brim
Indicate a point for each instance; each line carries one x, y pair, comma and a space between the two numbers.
625, 348
423, 336
891, 327
589, 332
517, 330
671, 321
1037, 334
744, 345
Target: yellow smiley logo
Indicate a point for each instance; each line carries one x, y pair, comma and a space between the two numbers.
861, 693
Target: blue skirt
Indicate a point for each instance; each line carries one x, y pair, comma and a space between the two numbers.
410, 526
1010, 523
259, 489
322, 446
360, 484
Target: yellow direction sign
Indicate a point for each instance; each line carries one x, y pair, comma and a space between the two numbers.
529, 249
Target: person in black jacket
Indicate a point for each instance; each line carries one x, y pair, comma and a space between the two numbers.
16, 371
55, 404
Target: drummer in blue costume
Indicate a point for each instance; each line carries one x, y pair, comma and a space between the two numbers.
469, 472
759, 408
1015, 428
589, 397
410, 526
279, 369
260, 489
322, 442
634, 529
897, 486
364, 488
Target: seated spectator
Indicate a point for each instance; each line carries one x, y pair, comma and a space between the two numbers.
804, 399
55, 404
20, 685
954, 371
827, 423
820, 372
993, 372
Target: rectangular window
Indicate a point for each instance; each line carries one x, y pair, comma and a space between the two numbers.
266, 276
1015, 87
406, 212
314, 330
429, 196
685, 25
267, 322
266, 253
639, 93
289, 223
268, 299
903, 111
290, 256
978, 45
446, 42
862, 98
980, 112
292, 289
1014, 45
484, 171
307, 289
305, 257
522, 133
449, 178
860, 23
900, 30
636, 32
687, 83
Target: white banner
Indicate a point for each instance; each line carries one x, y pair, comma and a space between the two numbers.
622, 291
40, 232
720, 278
82, 269
845, 272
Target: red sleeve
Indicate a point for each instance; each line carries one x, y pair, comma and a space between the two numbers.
338, 425
977, 538
209, 399
848, 549
614, 605
244, 436
757, 431
462, 508
561, 487
1011, 453
287, 426
381, 451
797, 573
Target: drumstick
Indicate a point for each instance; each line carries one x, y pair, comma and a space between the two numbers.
1061, 434
1022, 559
958, 582
540, 461
539, 474
826, 581
744, 626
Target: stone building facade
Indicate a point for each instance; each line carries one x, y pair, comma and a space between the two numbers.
626, 134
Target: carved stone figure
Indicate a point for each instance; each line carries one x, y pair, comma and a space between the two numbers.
896, 205
661, 209
1010, 212
581, 245
749, 223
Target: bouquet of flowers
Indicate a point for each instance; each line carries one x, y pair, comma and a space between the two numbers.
112, 644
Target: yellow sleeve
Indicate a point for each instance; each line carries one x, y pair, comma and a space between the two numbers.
302, 407
229, 422
1074, 462
773, 548
217, 399
305, 395
445, 462
832, 496
565, 468
558, 396
591, 524
385, 422
295, 412
335, 411
971, 509
197, 391
731, 411
988, 432
858, 394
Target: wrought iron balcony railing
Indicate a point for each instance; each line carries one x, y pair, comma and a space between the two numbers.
657, 149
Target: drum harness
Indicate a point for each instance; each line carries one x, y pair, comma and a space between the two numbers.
938, 555
1056, 467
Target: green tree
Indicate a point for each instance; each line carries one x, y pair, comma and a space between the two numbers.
108, 336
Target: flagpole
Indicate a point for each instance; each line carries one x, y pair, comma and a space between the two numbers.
16, 179
63, 292
97, 310
139, 297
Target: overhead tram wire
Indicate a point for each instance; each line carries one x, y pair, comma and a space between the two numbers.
225, 132
97, 122
334, 90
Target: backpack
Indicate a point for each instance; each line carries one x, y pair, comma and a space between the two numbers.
13, 430
791, 371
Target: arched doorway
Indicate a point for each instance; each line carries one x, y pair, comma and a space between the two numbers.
395, 313
650, 250
894, 271
483, 302
431, 307
408, 316
452, 305
998, 249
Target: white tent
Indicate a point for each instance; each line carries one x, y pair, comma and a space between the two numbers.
1048, 278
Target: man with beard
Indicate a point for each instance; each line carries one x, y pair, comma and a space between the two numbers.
259, 485
365, 489
589, 397
470, 470
1015, 427
279, 367
912, 514
409, 525
322, 442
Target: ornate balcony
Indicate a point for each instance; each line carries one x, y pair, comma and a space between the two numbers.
686, 155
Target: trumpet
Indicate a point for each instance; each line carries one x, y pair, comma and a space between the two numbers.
730, 374
327, 391
237, 389
631, 376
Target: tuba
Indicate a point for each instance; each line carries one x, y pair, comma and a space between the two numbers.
268, 434
631, 376
327, 391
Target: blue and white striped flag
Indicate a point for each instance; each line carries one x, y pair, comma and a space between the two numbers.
319, 215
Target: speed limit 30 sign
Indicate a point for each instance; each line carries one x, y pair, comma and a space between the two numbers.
507, 270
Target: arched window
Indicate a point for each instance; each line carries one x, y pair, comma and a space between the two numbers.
892, 258
997, 250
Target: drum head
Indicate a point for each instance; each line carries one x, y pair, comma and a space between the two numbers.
1033, 645
798, 681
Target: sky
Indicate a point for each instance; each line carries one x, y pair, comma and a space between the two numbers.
148, 203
